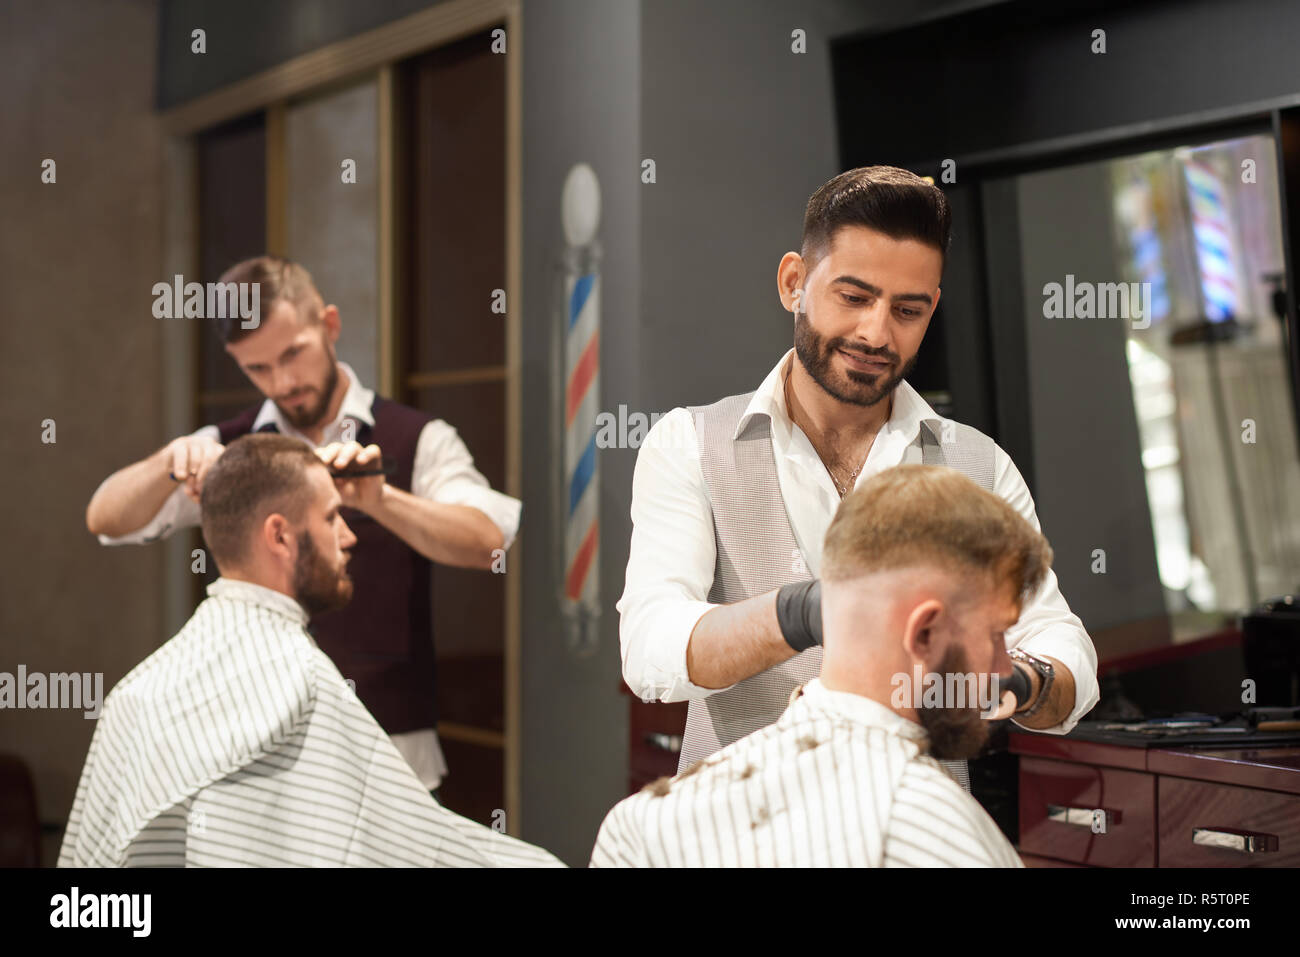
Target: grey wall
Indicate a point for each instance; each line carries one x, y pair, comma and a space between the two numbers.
1091, 488
79, 345
743, 132
582, 103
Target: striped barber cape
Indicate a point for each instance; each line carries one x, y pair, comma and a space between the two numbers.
238, 743
839, 780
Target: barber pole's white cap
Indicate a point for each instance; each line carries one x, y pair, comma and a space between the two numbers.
580, 205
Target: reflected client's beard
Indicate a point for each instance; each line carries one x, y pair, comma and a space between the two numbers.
954, 732
861, 388
318, 587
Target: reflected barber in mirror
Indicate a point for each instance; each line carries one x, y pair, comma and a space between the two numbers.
731, 501
410, 491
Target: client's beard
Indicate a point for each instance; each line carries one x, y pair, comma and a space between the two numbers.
317, 586
954, 732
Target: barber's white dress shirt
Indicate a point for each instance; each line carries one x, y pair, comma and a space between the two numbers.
673, 552
443, 472
238, 743
838, 781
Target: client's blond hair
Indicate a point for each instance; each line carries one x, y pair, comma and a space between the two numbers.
929, 515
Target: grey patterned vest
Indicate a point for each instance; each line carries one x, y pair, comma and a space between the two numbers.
757, 550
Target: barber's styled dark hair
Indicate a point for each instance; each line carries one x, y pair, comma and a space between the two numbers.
256, 476
277, 279
889, 200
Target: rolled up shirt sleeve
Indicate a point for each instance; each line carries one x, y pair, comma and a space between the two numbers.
1047, 627
178, 511
444, 472
670, 563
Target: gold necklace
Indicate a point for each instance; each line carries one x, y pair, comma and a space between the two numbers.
844, 489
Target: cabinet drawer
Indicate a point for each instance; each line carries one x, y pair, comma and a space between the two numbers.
1262, 828
1030, 860
1058, 801
655, 732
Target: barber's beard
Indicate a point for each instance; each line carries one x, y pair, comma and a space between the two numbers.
851, 386
316, 585
310, 415
954, 732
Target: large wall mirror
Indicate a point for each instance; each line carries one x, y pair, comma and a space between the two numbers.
1119, 305
1159, 390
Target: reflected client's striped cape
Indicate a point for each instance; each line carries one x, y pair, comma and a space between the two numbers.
238, 743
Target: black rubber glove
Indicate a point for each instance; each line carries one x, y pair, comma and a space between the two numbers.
1018, 684
799, 613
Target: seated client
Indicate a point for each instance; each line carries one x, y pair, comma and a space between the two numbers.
923, 572
238, 742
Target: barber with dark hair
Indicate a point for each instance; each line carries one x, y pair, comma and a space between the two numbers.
731, 501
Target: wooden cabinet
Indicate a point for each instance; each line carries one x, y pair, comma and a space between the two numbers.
1229, 807
654, 739
1083, 803
1217, 825
1085, 814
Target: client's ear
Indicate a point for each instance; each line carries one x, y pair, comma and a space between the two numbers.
277, 537
920, 640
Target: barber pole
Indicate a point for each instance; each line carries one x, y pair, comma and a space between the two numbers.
580, 596
1215, 249
582, 365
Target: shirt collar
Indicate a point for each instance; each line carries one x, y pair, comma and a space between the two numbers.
861, 710
259, 595
909, 411
357, 403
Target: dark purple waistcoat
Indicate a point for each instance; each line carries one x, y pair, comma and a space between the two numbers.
383, 638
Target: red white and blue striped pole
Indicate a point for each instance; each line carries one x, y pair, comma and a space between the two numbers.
1215, 248
580, 599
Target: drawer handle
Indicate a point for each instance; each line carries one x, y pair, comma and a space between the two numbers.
1246, 842
1098, 820
665, 742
